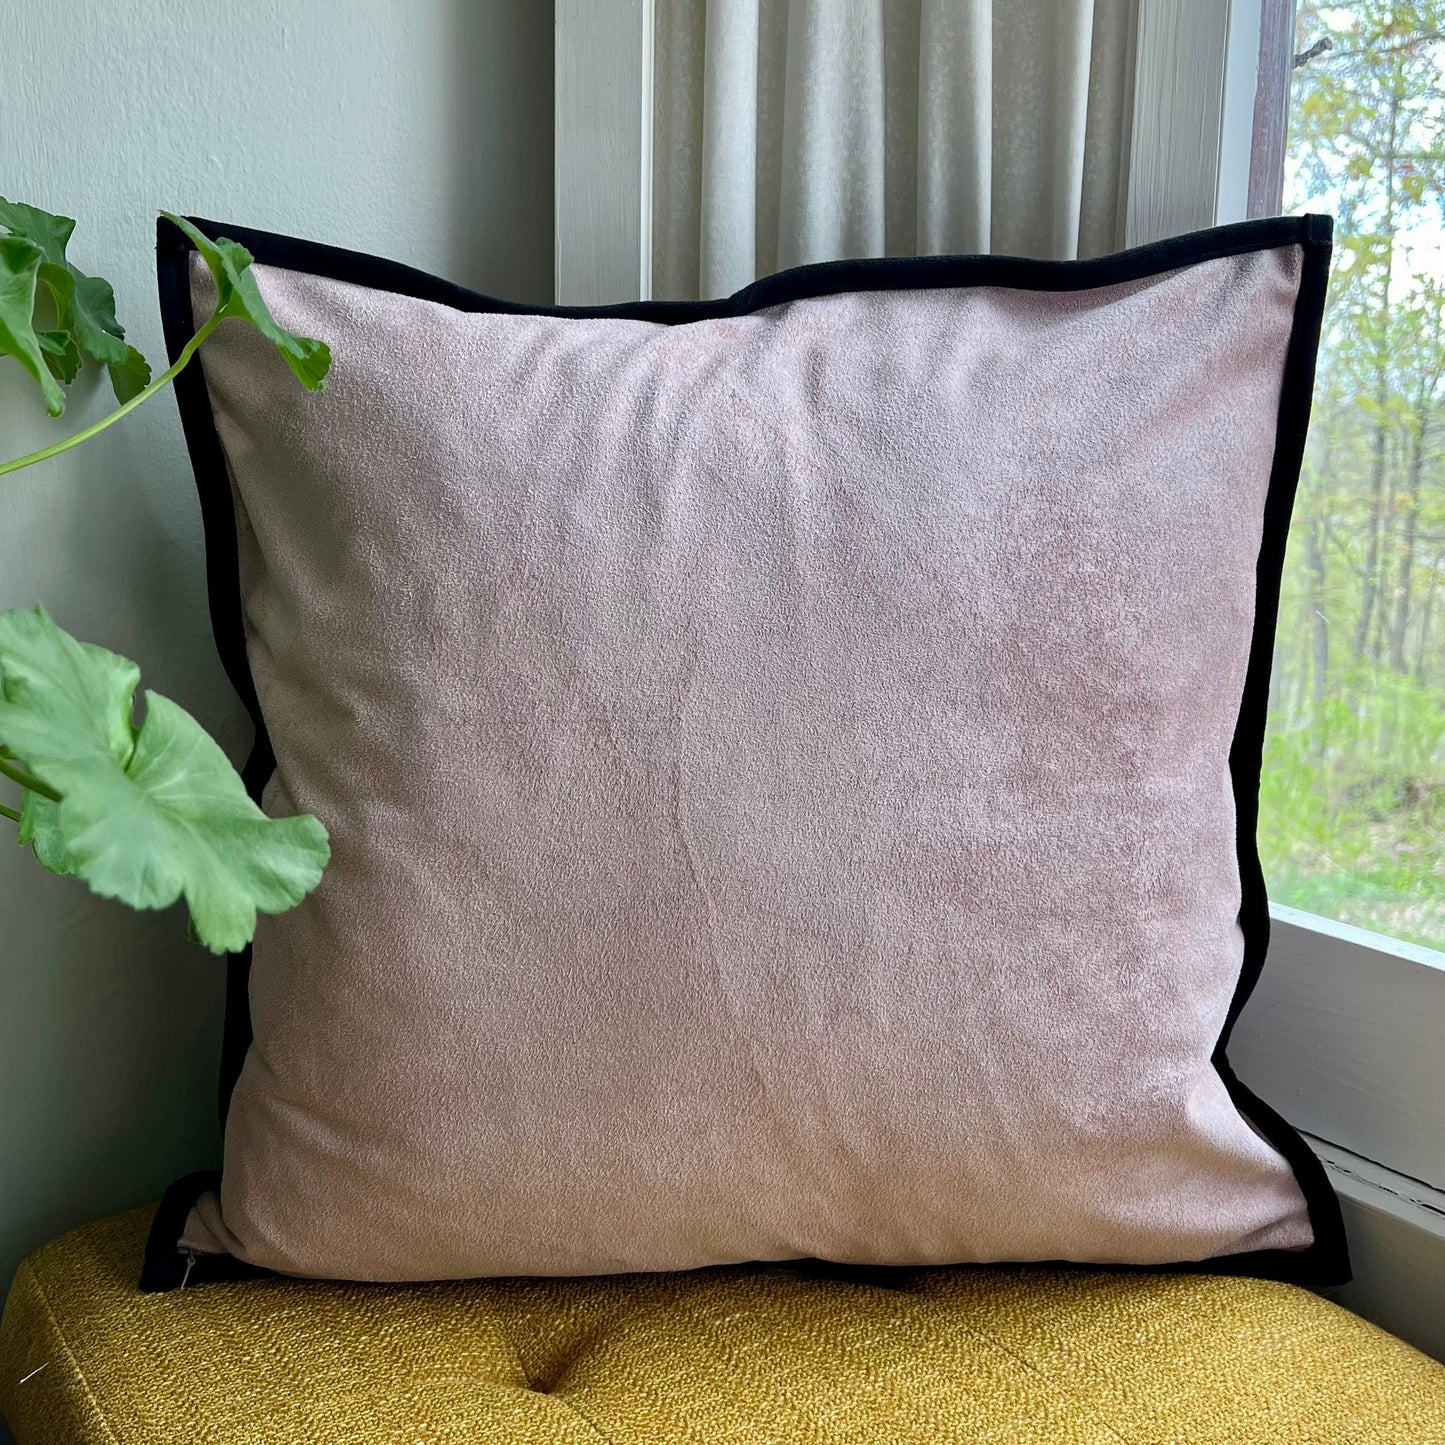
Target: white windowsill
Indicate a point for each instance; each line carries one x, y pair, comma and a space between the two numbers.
1343, 1035
1396, 1229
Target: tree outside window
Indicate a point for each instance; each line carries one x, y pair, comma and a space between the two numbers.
1353, 802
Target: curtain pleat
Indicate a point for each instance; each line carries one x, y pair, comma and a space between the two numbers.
831, 202
955, 125
728, 198
790, 131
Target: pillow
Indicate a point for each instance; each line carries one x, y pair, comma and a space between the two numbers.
791, 764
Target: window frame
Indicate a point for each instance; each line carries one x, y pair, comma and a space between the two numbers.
1269, 105
1345, 1030
1344, 1033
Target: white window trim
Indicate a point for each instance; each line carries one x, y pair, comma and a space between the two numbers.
1346, 1031
1345, 1035
1396, 1230
1236, 122
1177, 113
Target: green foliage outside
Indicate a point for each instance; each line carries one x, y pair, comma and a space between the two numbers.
1353, 804
152, 812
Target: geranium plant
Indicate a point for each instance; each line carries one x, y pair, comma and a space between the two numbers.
148, 811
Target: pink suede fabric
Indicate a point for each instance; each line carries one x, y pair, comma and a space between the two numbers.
777, 771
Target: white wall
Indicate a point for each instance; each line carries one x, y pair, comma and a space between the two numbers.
416, 129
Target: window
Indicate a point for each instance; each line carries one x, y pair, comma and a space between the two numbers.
1353, 800
1343, 1032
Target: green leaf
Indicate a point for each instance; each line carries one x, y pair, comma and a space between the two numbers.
87, 306
62, 355
62, 700
58, 279
84, 305
97, 331
129, 377
40, 828
150, 814
238, 295
51, 233
19, 269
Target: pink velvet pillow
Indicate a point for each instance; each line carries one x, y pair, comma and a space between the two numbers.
791, 765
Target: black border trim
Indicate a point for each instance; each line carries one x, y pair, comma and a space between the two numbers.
1325, 1262
165, 1266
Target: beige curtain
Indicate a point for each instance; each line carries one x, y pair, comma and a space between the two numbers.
788, 131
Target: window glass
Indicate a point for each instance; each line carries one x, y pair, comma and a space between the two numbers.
1353, 802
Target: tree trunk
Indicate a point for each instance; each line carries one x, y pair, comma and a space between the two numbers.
1319, 622
1423, 635
1401, 620
1370, 586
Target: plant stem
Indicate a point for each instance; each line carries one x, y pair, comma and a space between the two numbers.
163, 380
9, 813
26, 780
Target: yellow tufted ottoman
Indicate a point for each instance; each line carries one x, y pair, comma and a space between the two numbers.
728, 1357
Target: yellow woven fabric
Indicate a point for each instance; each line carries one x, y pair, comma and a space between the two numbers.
722, 1357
